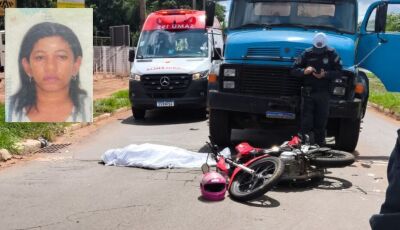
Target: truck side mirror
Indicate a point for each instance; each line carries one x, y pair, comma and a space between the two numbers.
210, 13
217, 54
131, 55
380, 21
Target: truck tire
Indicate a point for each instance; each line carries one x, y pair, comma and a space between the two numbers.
331, 158
220, 129
347, 136
138, 114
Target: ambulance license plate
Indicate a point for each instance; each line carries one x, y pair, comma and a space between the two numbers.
165, 103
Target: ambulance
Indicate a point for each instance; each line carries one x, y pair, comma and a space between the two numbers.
171, 62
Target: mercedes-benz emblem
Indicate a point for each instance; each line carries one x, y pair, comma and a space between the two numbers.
164, 81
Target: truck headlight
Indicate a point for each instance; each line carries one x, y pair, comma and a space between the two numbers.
229, 84
229, 72
339, 91
197, 76
134, 77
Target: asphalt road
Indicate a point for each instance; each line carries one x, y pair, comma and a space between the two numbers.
70, 190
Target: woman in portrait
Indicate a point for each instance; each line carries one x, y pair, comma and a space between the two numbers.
49, 60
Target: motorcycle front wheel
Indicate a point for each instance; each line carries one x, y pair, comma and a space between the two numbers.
246, 186
331, 159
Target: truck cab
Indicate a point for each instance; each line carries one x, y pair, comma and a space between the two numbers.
254, 86
172, 61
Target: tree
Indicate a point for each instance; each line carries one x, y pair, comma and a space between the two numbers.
393, 22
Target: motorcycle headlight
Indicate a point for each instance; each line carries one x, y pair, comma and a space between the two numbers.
229, 72
200, 75
134, 77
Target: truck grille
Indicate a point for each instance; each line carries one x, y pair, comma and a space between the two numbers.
266, 51
166, 85
268, 82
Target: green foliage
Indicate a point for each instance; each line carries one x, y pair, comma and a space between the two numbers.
393, 22
12, 132
380, 96
113, 13
220, 13
117, 100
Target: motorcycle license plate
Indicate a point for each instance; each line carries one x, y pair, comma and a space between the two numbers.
165, 103
280, 115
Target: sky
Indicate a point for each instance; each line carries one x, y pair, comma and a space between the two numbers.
362, 6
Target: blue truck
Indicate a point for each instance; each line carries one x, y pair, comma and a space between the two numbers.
254, 87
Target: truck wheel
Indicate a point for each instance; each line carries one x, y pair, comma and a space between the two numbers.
347, 136
138, 114
220, 129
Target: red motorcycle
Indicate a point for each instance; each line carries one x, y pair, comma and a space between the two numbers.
255, 171
251, 174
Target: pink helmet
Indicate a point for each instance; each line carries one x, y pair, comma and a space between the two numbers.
213, 186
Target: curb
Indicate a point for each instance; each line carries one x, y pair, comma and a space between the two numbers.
31, 146
385, 111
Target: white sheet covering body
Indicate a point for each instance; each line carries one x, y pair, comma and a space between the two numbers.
156, 156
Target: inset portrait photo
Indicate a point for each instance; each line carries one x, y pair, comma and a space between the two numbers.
49, 65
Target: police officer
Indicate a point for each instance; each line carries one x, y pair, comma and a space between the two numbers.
318, 66
389, 217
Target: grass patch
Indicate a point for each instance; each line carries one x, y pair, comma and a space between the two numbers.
379, 95
11, 132
117, 100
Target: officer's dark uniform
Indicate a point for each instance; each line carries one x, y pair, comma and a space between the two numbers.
389, 217
316, 91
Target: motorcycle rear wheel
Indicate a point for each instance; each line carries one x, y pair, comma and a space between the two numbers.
247, 187
331, 159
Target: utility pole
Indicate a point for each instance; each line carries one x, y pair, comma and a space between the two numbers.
142, 5
194, 4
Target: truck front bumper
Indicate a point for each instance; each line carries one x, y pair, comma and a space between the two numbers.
251, 104
260, 105
346, 109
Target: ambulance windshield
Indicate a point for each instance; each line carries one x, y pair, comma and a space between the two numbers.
173, 44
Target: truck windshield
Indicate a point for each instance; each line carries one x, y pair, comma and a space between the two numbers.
173, 44
339, 15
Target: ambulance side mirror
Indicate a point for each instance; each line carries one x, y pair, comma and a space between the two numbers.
210, 13
217, 55
380, 21
131, 55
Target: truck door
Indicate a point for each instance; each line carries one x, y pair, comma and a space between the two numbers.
378, 47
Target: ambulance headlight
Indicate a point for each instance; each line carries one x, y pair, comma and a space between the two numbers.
200, 75
229, 72
134, 77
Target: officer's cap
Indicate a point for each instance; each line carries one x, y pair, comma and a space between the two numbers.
320, 40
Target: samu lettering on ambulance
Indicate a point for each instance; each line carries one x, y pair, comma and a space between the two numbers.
175, 26
163, 67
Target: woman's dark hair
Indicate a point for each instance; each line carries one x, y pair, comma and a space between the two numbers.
26, 95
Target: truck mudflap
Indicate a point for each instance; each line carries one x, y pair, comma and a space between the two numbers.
346, 109
251, 104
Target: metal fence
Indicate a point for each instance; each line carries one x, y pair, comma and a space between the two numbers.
111, 60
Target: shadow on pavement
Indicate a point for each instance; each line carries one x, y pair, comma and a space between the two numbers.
263, 202
373, 158
167, 117
200, 198
328, 183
